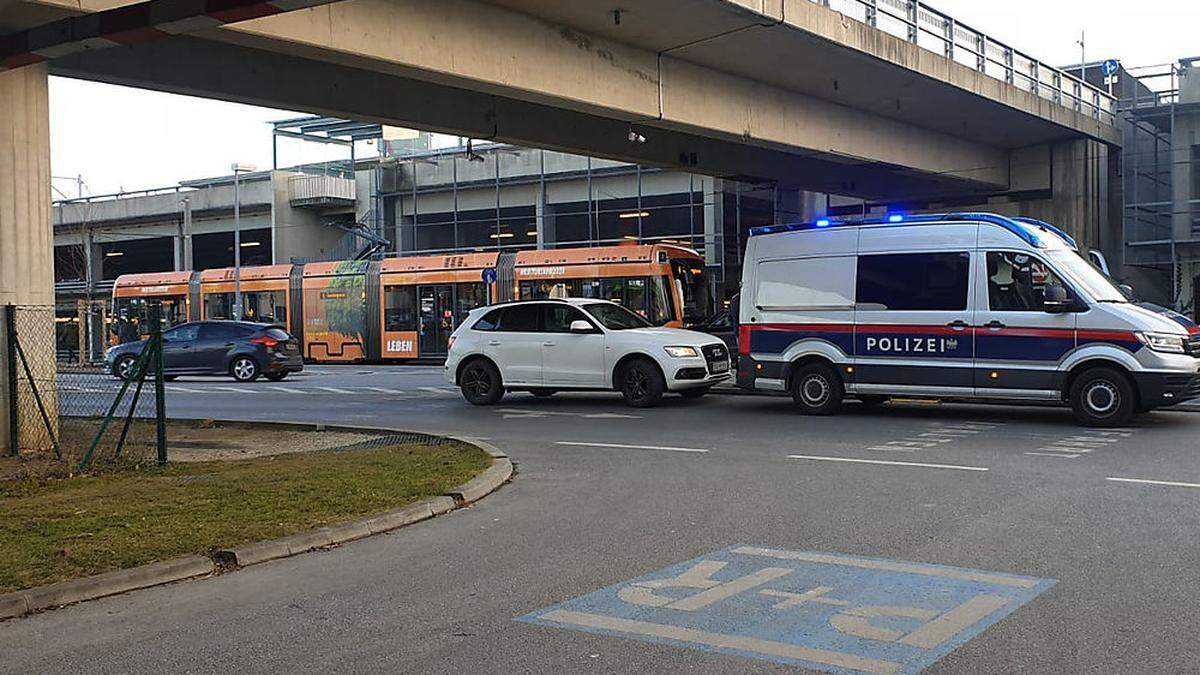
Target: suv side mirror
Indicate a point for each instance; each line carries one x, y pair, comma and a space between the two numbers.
1056, 300
581, 326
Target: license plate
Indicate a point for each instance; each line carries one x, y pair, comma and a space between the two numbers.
720, 366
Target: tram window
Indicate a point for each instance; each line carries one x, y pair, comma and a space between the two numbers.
631, 293
400, 308
470, 296
660, 301
218, 305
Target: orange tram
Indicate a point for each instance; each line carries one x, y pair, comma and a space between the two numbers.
406, 308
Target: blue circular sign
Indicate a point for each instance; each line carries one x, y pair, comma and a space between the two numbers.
1110, 66
489, 275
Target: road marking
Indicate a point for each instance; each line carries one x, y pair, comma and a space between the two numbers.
717, 640
629, 447
1064, 455
888, 463
1169, 483
335, 390
237, 390
175, 387
824, 611
889, 566
384, 390
289, 390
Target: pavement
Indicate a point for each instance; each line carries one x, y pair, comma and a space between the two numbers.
911, 516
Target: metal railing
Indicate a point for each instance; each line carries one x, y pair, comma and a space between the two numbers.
926, 27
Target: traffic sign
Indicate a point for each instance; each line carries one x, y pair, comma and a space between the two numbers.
489, 275
1110, 66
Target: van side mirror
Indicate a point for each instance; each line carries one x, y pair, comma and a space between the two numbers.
581, 326
1056, 300
1126, 289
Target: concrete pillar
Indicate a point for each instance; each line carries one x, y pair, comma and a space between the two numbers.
26, 235
714, 220
1077, 174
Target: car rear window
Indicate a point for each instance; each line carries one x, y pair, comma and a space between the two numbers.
278, 334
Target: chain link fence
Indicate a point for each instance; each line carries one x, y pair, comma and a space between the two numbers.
78, 411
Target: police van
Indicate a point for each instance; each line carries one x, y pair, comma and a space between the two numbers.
961, 306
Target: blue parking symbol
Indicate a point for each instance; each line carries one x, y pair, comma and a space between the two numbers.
832, 612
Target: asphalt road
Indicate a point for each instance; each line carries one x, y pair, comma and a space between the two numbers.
605, 494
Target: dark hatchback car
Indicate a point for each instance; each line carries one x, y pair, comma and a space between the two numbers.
240, 349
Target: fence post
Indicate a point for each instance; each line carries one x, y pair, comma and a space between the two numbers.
10, 370
160, 405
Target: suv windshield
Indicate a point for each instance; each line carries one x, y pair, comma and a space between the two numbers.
1089, 278
615, 317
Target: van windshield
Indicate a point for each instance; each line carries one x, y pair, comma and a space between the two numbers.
1087, 277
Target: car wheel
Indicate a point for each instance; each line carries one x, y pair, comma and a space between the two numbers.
694, 393
276, 377
870, 400
543, 393
642, 384
244, 369
817, 390
480, 383
1103, 397
126, 367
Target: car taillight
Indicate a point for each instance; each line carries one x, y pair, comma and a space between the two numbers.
266, 341
450, 342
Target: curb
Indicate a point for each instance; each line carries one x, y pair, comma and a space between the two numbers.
20, 603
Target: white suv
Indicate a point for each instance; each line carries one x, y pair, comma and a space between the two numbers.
543, 346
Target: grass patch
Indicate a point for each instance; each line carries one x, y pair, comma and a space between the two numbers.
61, 528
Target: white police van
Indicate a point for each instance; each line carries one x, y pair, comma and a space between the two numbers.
963, 306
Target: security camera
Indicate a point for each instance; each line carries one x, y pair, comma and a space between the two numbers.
635, 137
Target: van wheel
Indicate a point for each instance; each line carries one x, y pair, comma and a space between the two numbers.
480, 383
1103, 397
817, 390
641, 384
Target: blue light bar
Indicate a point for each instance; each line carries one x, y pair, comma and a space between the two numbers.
1049, 228
895, 218
920, 219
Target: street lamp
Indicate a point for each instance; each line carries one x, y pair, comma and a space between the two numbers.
238, 168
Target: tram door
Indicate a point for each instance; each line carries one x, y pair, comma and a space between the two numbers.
437, 318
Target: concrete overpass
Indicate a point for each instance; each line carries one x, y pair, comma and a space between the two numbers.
789, 91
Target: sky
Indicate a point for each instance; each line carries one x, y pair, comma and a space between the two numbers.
118, 138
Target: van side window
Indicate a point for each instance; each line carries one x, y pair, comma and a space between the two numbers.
1017, 282
806, 283
928, 282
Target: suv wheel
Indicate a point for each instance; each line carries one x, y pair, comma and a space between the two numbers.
1103, 397
244, 369
126, 367
817, 390
480, 383
641, 384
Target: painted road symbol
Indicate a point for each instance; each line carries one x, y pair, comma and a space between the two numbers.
832, 612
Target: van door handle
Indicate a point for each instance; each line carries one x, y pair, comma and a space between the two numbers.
547, 344
493, 343
959, 325
995, 325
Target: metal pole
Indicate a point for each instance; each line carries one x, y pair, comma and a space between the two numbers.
237, 248
589, 202
187, 233
639, 202
454, 168
160, 404
10, 344
496, 159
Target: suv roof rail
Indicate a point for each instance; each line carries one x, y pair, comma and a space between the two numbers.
901, 220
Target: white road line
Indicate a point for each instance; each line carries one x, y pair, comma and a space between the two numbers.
384, 390
1054, 454
175, 387
289, 390
629, 447
238, 390
1169, 483
886, 462
335, 390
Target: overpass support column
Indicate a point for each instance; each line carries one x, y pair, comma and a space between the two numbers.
1066, 184
26, 240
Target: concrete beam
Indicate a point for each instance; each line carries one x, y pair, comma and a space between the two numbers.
205, 68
